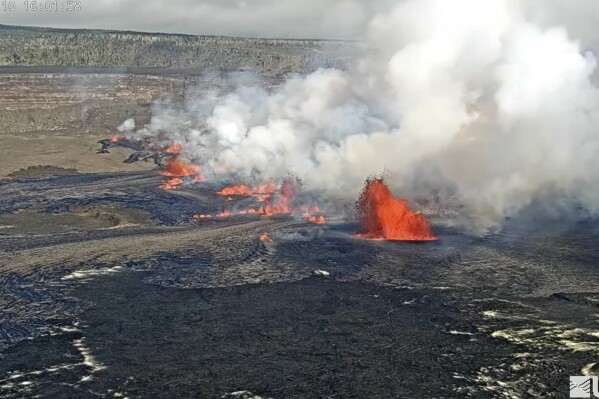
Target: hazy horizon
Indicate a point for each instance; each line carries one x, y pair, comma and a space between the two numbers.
287, 19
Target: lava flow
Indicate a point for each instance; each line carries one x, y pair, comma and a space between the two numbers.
265, 237
264, 193
275, 201
384, 217
201, 217
176, 168
171, 183
314, 219
260, 193
145, 150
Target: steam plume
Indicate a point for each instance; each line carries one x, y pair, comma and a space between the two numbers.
473, 98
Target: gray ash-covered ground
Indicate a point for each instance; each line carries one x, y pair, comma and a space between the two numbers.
116, 292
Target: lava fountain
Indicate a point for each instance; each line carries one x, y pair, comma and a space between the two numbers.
385, 218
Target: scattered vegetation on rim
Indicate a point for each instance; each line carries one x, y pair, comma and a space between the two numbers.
26, 46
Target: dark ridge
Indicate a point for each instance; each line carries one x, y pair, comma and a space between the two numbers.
52, 47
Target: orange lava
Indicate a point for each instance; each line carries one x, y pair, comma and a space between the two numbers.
282, 204
251, 211
237, 189
201, 217
176, 168
314, 219
265, 237
384, 217
224, 214
174, 148
261, 193
275, 201
171, 184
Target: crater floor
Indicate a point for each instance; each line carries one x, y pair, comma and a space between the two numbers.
109, 289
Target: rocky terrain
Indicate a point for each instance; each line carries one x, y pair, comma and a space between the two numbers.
24, 46
110, 288
55, 116
63, 90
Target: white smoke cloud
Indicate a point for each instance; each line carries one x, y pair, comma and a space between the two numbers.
478, 99
127, 126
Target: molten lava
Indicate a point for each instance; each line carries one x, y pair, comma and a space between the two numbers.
237, 189
171, 184
260, 193
265, 237
176, 168
224, 214
314, 219
275, 201
384, 217
201, 217
284, 199
174, 148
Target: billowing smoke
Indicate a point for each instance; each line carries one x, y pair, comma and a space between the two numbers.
477, 100
127, 126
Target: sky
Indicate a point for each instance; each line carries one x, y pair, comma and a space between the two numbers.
335, 19
301, 19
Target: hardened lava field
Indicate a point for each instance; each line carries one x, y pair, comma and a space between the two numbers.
116, 281
110, 286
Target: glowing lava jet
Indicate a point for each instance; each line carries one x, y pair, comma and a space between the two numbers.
386, 218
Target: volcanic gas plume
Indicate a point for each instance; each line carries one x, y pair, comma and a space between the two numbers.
383, 217
493, 104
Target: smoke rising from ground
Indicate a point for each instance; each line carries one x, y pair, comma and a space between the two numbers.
478, 100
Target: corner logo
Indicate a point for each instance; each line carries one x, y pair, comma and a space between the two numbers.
581, 387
